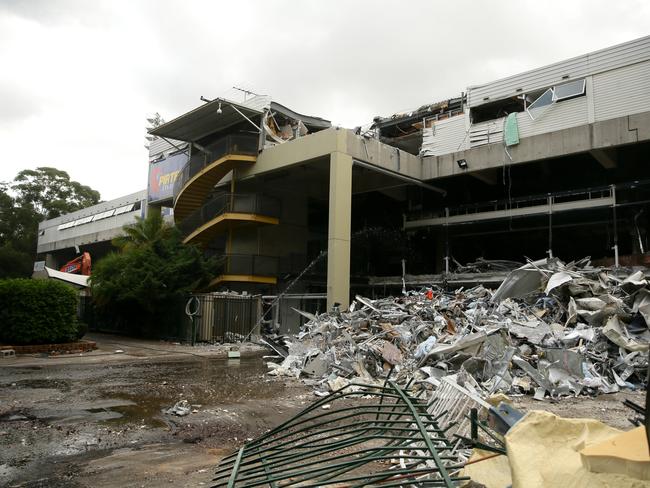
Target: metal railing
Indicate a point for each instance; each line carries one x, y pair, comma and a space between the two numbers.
246, 264
250, 203
517, 202
234, 144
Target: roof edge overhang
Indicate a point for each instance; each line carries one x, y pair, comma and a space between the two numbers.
214, 116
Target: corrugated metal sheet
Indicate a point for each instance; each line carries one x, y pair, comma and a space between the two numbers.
159, 146
446, 136
449, 136
622, 92
561, 115
606, 59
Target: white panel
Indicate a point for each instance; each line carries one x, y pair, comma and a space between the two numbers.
124, 209
83, 220
446, 136
622, 92
597, 62
561, 115
487, 132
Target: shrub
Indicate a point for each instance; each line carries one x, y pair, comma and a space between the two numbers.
37, 312
82, 330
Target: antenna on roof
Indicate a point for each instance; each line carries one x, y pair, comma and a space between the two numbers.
154, 120
245, 92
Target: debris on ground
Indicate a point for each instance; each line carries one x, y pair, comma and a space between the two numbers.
550, 330
181, 408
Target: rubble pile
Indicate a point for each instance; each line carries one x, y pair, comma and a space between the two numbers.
550, 329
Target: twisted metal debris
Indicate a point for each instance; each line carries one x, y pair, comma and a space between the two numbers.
552, 329
365, 435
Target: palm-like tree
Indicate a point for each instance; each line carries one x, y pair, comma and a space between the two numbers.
145, 231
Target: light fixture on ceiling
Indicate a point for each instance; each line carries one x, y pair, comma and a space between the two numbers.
462, 163
219, 111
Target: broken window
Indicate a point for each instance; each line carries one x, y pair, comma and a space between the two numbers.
497, 109
556, 93
541, 104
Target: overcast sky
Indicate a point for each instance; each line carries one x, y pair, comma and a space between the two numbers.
78, 77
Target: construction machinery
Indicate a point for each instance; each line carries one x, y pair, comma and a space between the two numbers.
79, 265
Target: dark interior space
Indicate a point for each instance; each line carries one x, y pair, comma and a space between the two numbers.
497, 109
379, 242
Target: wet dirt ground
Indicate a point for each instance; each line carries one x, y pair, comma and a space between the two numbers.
98, 421
100, 425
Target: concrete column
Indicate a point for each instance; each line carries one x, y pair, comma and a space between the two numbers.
338, 237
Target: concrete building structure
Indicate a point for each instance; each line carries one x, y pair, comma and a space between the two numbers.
88, 230
550, 161
271, 206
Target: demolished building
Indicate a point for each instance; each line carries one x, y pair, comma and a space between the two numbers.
547, 162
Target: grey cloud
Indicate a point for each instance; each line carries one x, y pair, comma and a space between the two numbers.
52, 12
346, 61
17, 104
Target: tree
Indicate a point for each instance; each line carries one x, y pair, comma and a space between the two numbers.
140, 289
51, 193
144, 231
33, 196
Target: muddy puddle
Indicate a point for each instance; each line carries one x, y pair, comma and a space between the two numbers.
149, 391
56, 421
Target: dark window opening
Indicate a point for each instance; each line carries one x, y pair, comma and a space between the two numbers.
497, 109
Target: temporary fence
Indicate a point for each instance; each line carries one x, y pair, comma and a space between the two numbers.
224, 317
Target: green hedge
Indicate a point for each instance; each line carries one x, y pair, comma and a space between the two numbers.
37, 312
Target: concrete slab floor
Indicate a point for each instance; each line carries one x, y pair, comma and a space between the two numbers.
91, 422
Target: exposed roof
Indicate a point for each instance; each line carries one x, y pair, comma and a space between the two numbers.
419, 113
205, 120
309, 121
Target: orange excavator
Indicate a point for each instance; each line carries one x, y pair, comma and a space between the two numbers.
79, 265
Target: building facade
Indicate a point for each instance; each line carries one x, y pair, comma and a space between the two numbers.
553, 161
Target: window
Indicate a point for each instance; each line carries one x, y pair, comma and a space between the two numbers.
569, 90
83, 220
124, 209
557, 93
541, 104
496, 110
66, 225
103, 215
